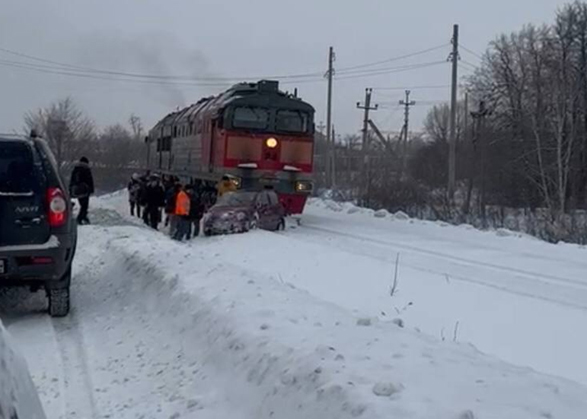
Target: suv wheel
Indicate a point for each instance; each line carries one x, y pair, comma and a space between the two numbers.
58, 302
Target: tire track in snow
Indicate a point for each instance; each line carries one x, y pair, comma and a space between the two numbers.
464, 261
442, 273
77, 392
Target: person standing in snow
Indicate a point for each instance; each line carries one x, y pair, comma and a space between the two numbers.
170, 204
225, 185
154, 201
144, 180
81, 186
134, 194
181, 215
197, 209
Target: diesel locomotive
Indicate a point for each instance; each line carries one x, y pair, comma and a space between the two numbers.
255, 133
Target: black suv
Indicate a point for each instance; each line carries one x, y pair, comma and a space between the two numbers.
38, 233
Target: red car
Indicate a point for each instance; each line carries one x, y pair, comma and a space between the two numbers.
241, 211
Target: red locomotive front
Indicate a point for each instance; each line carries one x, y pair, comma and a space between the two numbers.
260, 136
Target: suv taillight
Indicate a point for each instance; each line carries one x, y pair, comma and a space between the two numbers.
57, 207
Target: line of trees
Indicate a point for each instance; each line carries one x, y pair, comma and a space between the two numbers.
523, 148
535, 84
114, 151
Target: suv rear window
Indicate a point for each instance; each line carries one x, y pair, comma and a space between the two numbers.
18, 172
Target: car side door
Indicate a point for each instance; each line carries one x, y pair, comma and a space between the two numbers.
262, 208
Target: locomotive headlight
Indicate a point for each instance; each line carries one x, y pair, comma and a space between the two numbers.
304, 186
271, 142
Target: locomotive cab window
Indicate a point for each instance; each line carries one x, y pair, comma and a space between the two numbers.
292, 121
250, 118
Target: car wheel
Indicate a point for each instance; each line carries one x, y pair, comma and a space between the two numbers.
254, 223
59, 302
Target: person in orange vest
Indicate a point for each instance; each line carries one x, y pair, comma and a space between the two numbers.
225, 185
182, 213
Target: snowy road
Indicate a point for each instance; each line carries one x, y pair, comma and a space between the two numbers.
112, 357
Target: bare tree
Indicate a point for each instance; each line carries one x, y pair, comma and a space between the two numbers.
136, 127
68, 131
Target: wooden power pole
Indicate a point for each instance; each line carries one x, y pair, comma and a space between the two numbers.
481, 143
407, 104
329, 145
452, 146
365, 146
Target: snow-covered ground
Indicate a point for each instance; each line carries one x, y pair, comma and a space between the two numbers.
300, 324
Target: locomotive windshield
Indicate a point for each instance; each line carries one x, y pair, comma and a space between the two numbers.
292, 121
250, 117
258, 118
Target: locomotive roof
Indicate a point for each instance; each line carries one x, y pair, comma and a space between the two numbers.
264, 93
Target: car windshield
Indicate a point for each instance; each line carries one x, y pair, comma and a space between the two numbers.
292, 121
16, 168
250, 117
236, 199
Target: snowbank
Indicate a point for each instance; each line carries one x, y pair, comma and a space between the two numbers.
286, 354
18, 396
350, 208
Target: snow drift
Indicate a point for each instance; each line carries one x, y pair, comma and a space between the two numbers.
282, 353
18, 396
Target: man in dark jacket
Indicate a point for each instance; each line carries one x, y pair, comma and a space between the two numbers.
135, 189
154, 200
81, 186
197, 210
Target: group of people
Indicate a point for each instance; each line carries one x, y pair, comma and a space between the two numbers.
184, 205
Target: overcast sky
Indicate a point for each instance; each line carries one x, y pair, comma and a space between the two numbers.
242, 38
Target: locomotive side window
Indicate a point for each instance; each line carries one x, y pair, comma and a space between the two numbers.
292, 121
250, 117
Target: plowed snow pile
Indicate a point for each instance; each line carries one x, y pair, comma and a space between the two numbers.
17, 392
279, 352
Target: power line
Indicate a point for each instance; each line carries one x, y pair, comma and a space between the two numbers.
64, 72
401, 57
382, 70
61, 66
470, 51
66, 66
469, 65
392, 70
444, 86
165, 80
71, 73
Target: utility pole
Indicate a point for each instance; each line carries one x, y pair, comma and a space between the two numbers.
479, 117
365, 147
452, 147
329, 146
407, 104
333, 163
466, 122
